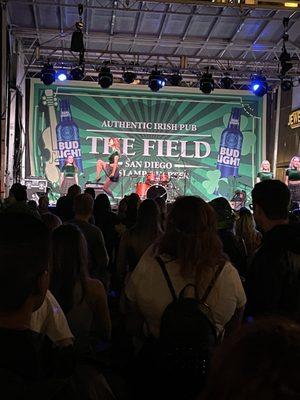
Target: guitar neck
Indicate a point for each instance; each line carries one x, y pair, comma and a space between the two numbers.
53, 123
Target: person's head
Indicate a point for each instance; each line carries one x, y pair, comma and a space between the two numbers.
15, 188
43, 203
191, 235
295, 162
69, 159
83, 205
114, 143
74, 190
91, 192
262, 362
20, 192
148, 217
24, 251
52, 221
101, 205
271, 199
32, 205
224, 213
133, 202
265, 166
122, 207
245, 228
68, 263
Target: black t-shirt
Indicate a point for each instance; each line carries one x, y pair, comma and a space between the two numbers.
32, 356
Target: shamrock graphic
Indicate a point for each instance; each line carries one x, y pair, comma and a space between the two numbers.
212, 182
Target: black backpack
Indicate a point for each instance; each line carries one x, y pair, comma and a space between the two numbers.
187, 336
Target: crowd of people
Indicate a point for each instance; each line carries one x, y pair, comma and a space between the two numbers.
189, 300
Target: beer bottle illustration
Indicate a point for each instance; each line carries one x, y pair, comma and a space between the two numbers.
230, 150
68, 140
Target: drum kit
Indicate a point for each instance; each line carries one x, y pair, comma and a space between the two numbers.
157, 184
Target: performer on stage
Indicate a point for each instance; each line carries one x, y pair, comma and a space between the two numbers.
292, 179
265, 172
110, 168
69, 175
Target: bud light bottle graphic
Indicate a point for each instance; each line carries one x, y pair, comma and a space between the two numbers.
231, 146
67, 133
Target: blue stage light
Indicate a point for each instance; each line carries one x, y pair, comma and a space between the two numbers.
259, 85
62, 75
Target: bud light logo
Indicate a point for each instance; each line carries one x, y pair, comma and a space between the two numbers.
69, 148
229, 157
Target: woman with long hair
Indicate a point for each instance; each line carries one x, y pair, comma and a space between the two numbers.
192, 252
110, 168
265, 172
246, 234
82, 299
188, 253
292, 180
137, 239
68, 175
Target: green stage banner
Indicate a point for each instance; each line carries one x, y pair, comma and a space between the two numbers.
179, 139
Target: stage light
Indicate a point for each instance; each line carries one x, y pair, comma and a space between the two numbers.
259, 85
175, 79
62, 75
156, 80
206, 83
48, 74
129, 77
286, 85
226, 82
77, 73
105, 78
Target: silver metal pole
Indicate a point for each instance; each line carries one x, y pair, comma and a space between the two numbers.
276, 136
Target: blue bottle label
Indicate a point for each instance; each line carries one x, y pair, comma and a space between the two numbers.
230, 149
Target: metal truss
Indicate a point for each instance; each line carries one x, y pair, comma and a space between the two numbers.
136, 49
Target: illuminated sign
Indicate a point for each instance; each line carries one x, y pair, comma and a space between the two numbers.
294, 119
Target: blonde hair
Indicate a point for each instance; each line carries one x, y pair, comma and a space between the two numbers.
292, 161
265, 162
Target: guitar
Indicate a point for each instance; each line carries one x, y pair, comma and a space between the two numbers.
50, 152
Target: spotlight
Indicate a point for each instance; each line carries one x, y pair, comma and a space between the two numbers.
105, 78
62, 75
48, 74
259, 85
206, 83
175, 79
226, 82
129, 77
286, 85
156, 80
77, 73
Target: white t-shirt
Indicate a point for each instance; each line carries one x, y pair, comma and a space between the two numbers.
148, 290
50, 320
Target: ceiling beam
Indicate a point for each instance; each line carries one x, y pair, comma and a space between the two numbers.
171, 12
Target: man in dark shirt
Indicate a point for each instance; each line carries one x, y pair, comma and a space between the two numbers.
98, 258
28, 360
273, 283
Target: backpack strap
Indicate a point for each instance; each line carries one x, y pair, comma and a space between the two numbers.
212, 283
167, 277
